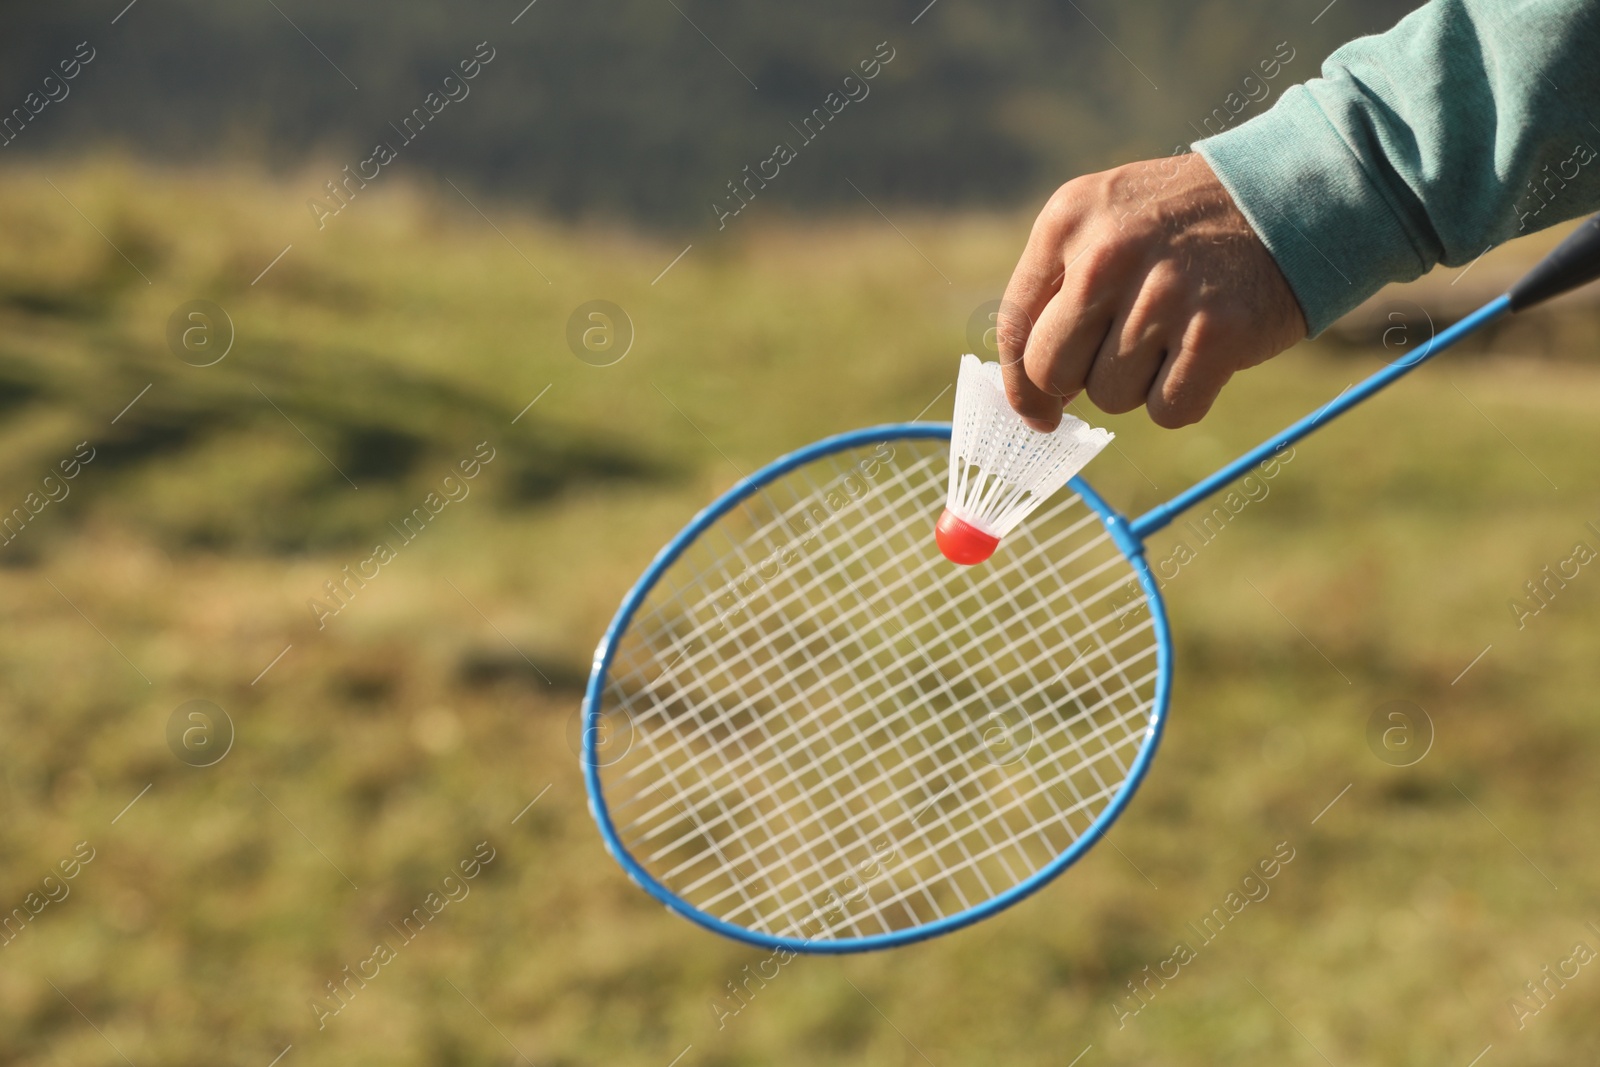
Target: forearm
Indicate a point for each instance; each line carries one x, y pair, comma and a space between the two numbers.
1467, 124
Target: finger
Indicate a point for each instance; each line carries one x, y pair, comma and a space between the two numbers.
1034, 282
1190, 379
1062, 346
1132, 354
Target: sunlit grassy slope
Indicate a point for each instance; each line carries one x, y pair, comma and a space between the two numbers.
379, 751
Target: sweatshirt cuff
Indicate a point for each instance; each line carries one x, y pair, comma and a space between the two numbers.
1307, 196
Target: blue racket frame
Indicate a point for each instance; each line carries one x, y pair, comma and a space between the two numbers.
1128, 535
1131, 548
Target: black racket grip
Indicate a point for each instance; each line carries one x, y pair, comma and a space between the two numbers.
1574, 262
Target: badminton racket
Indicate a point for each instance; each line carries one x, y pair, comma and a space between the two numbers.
807, 730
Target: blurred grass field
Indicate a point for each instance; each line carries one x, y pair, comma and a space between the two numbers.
379, 750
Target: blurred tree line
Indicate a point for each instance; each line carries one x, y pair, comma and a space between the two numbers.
647, 108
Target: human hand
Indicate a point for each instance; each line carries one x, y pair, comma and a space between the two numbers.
1140, 285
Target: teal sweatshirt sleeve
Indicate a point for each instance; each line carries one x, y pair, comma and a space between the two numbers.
1469, 123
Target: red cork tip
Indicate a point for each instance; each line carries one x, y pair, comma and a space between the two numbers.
961, 542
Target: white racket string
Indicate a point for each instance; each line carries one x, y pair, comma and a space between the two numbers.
856, 536
1017, 564
811, 751
958, 788
836, 795
787, 631
763, 772
751, 773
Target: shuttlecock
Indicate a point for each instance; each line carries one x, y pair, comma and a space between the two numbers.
1001, 469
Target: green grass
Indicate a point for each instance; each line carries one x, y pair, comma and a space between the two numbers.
384, 747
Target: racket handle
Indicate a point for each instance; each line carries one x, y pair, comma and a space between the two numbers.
1574, 262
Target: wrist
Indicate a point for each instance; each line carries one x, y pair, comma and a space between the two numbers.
1326, 224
